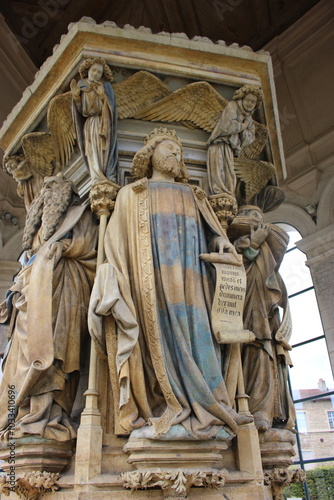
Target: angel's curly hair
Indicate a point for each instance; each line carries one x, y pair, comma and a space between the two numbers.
249, 89
84, 67
6, 159
142, 161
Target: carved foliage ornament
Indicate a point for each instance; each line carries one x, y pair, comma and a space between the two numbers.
31, 486
102, 197
224, 206
176, 481
278, 479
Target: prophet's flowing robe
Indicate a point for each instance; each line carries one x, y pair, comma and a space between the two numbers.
226, 141
49, 320
157, 289
265, 361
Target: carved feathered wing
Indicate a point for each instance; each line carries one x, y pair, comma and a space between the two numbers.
254, 173
61, 126
137, 92
197, 103
253, 150
39, 152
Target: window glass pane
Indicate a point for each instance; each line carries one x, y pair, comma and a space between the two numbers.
305, 326
294, 235
294, 272
310, 364
315, 435
331, 419
296, 458
301, 422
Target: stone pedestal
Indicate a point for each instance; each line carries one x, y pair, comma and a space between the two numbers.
30, 454
149, 453
176, 465
277, 448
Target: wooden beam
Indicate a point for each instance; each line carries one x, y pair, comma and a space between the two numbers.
171, 10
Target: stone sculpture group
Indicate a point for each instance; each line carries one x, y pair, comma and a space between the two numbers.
154, 292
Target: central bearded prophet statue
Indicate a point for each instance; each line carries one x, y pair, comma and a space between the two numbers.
158, 292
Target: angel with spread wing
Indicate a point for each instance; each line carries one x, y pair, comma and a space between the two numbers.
30, 168
236, 139
234, 130
44, 153
47, 153
95, 112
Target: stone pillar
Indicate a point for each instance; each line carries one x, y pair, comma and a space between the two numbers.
88, 460
319, 249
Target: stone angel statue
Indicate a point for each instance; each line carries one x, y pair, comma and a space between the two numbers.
47, 153
95, 119
95, 104
30, 168
234, 134
43, 153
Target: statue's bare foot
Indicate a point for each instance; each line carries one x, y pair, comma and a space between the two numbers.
261, 424
243, 419
240, 419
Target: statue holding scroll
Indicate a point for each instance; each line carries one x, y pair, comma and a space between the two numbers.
159, 293
266, 360
47, 310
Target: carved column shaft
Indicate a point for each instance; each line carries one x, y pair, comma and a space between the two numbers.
89, 440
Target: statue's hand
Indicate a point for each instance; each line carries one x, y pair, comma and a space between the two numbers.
75, 89
225, 246
258, 234
218, 140
100, 90
55, 250
246, 123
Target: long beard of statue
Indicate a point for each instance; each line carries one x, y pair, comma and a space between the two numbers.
46, 212
166, 165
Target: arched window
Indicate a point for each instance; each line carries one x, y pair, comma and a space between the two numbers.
311, 377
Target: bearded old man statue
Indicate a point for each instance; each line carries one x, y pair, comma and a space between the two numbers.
47, 311
158, 291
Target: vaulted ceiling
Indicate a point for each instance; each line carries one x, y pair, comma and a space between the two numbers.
38, 25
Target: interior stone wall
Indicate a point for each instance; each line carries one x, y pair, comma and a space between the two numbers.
303, 62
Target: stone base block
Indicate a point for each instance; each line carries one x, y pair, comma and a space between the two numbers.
277, 448
30, 454
149, 453
251, 492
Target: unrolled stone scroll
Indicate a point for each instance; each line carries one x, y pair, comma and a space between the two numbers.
228, 301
